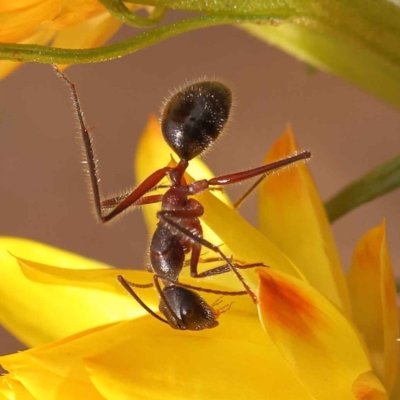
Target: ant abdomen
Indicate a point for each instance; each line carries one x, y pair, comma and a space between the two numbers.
184, 309
194, 117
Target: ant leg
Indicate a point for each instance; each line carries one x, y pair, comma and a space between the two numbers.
209, 260
204, 260
248, 192
196, 248
264, 170
210, 246
194, 262
222, 269
200, 289
164, 301
115, 201
130, 200
137, 285
128, 287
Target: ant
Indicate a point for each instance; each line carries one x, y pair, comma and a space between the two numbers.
192, 119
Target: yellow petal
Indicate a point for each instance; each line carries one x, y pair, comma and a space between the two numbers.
372, 290
11, 389
292, 215
365, 388
396, 388
55, 371
145, 359
105, 279
315, 339
50, 384
74, 12
245, 242
92, 32
37, 313
26, 19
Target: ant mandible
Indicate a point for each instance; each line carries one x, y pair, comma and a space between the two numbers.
192, 119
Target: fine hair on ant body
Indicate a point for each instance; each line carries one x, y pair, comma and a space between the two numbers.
192, 119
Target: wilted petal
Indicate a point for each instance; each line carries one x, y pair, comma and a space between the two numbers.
292, 215
146, 359
38, 313
373, 297
316, 340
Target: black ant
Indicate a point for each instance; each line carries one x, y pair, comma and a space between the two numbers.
192, 119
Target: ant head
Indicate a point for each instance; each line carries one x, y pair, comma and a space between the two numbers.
184, 309
194, 117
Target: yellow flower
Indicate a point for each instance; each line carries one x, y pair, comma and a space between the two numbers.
66, 24
321, 336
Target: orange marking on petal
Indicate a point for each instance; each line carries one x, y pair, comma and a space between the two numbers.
368, 387
287, 306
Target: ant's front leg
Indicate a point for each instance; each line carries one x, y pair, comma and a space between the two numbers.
113, 202
197, 187
137, 195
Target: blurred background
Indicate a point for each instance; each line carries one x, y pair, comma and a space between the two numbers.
43, 191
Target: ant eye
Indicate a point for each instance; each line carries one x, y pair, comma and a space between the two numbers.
194, 117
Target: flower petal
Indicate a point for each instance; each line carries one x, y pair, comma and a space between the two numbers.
55, 371
92, 32
245, 242
146, 359
396, 388
34, 312
26, 19
11, 389
315, 339
373, 297
365, 388
105, 279
292, 215
74, 12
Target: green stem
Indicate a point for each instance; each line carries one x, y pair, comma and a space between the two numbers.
119, 11
50, 55
381, 180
